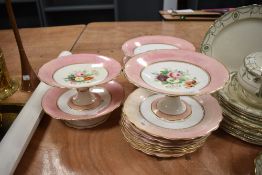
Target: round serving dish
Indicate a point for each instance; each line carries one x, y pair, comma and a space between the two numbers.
79, 71
57, 103
204, 119
144, 44
234, 35
176, 73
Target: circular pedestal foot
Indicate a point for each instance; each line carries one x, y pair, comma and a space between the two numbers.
163, 115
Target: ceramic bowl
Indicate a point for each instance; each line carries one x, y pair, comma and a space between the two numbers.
250, 76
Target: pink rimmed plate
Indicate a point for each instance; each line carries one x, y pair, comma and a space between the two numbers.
55, 102
79, 70
205, 119
176, 72
143, 44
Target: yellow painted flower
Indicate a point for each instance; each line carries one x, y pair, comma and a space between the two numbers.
79, 78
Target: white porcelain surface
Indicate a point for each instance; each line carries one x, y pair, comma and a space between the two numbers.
205, 116
95, 73
83, 97
62, 102
177, 72
250, 74
147, 43
171, 105
149, 47
234, 35
195, 118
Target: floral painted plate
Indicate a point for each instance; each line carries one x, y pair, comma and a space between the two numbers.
143, 44
205, 118
176, 73
79, 70
234, 35
56, 102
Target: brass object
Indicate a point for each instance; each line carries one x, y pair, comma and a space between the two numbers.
29, 79
7, 86
6, 120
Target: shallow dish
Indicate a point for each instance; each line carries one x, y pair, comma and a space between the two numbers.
234, 35
56, 104
176, 72
200, 123
79, 70
143, 44
151, 145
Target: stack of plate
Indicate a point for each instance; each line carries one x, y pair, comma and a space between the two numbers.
167, 138
153, 145
242, 119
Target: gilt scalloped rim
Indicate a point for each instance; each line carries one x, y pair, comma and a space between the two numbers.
251, 11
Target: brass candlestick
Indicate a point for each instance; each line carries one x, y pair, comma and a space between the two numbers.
29, 79
7, 86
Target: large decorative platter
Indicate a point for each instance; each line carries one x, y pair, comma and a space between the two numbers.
143, 44
205, 118
234, 35
79, 70
55, 102
176, 72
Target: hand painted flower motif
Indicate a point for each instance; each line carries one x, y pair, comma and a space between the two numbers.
175, 78
81, 76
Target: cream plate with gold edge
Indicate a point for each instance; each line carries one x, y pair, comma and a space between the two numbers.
234, 35
157, 146
230, 94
